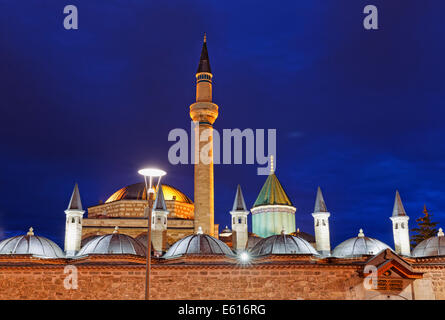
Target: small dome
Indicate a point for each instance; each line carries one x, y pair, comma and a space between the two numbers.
226, 232
283, 244
198, 244
359, 246
31, 244
432, 247
115, 243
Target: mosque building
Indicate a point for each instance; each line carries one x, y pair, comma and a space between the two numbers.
104, 254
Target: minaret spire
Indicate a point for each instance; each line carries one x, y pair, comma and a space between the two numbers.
239, 204
160, 200
398, 209
320, 205
204, 62
75, 203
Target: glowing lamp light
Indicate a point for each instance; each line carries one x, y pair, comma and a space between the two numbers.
244, 257
152, 172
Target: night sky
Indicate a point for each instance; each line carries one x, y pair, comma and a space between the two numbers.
359, 113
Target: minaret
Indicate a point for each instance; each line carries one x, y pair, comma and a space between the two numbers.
239, 222
159, 222
73, 226
321, 225
204, 112
400, 227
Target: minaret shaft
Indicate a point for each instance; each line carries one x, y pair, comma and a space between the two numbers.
204, 112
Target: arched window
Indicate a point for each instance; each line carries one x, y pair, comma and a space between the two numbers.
402, 226
318, 223
240, 220
397, 226
73, 221
324, 222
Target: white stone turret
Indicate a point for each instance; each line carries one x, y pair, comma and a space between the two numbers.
159, 222
239, 215
73, 226
321, 225
400, 228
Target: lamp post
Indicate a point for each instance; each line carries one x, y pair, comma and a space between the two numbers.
149, 174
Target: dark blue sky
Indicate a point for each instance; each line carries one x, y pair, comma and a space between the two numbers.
358, 112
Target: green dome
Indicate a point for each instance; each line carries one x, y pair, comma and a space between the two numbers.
272, 193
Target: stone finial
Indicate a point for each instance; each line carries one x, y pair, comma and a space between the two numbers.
116, 229
199, 230
205, 37
361, 234
30, 232
283, 231
298, 230
440, 233
272, 170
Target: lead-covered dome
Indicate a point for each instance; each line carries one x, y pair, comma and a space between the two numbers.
359, 246
199, 243
115, 243
31, 244
431, 247
283, 244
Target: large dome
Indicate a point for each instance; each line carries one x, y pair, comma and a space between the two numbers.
283, 244
434, 246
198, 244
115, 243
137, 192
31, 244
359, 246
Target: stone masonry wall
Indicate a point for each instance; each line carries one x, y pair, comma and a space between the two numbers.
217, 282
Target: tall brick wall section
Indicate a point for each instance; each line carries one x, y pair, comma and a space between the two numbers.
179, 283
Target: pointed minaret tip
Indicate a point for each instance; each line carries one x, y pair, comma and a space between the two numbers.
30, 232
320, 205
75, 202
239, 204
360, 233
204, 63
398, 209
160, 200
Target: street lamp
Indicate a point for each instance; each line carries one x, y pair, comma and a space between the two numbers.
149, 174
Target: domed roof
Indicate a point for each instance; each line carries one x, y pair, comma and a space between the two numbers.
431, 247
359, 246
272, 193
283, 244
199, 243
31, 244
137, 192
115, 243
